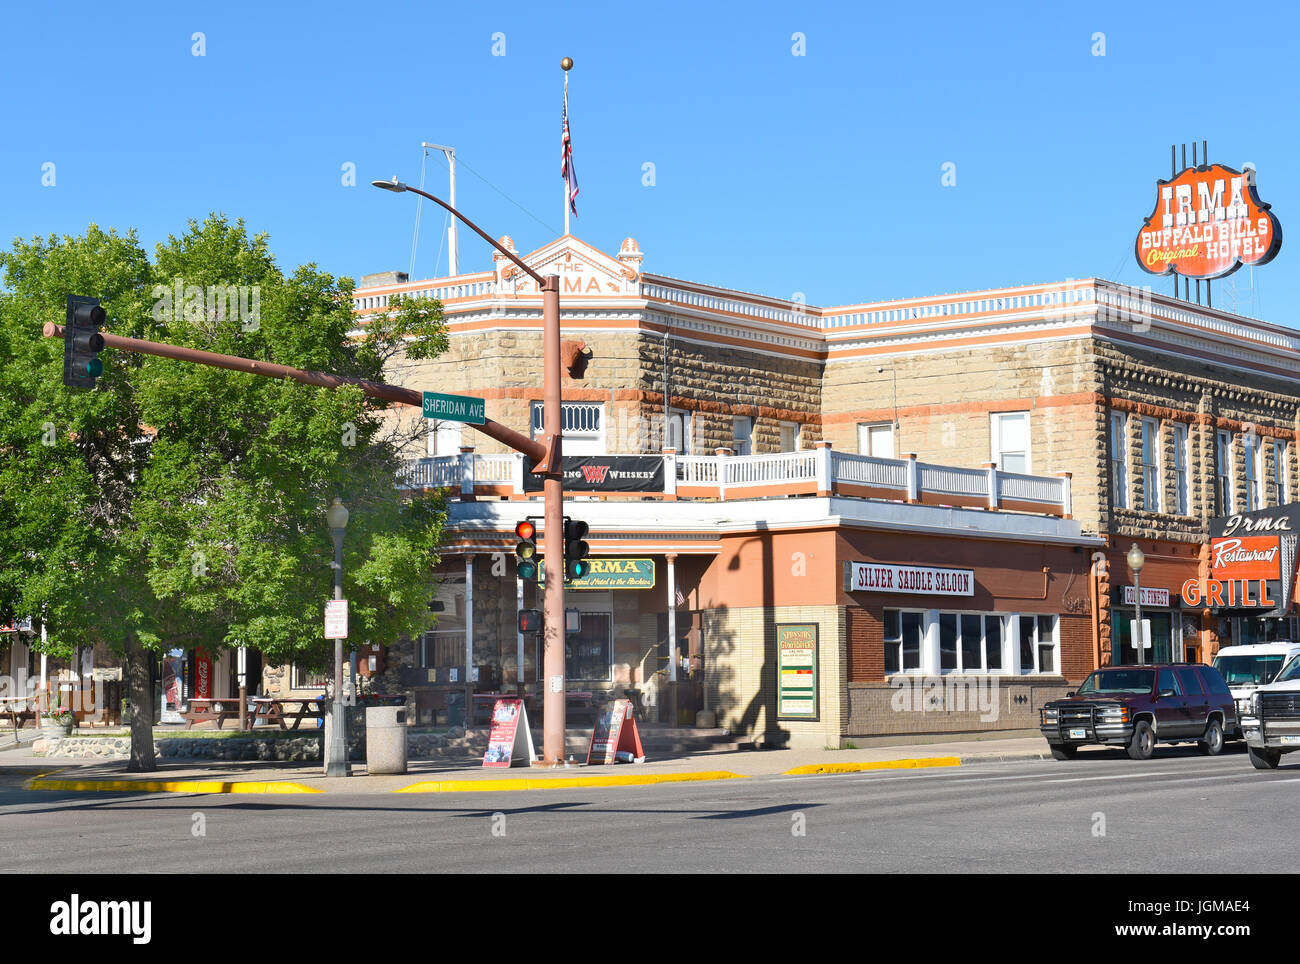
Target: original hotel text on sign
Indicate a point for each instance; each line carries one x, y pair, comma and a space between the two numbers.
916, 580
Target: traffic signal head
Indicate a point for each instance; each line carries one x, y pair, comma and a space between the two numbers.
575, 549
82, 342
530, 621
526, 551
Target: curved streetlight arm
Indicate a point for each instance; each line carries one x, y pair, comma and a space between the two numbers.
476, 229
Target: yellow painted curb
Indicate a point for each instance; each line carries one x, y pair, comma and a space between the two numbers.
929, 761
488, 785
170, 786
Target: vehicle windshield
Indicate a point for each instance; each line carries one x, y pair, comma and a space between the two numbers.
1242, 670
1118, 681
1291, 671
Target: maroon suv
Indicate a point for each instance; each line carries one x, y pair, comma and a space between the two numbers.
1139, 706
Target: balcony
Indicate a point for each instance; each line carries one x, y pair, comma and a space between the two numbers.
723, 477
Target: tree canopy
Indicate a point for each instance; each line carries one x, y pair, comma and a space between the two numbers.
179, 505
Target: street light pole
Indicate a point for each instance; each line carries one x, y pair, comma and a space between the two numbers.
1136, 560
552, 470
336, 755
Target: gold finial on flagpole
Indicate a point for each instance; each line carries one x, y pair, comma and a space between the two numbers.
567, 63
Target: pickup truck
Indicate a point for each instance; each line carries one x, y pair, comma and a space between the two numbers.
1138, 706
1272, 723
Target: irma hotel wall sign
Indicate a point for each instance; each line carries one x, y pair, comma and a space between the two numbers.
1208, 221
1252, 561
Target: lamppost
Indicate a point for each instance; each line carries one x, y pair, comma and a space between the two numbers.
1136, 560
336, 755
550, 467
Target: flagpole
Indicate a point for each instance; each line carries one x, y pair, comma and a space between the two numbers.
565, 186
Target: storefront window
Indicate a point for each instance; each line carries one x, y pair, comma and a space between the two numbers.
903, 633
970, 642
587, 652
1123, 652
1038, 644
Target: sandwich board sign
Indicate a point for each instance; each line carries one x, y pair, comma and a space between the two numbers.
510, 741
615, 737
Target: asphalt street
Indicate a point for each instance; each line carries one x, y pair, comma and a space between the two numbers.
1178, 812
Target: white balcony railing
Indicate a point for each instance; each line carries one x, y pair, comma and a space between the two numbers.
818, 471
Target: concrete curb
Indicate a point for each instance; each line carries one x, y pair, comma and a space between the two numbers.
910, 764
561, 783
170, 786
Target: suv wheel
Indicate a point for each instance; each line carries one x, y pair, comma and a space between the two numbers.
1062, 752
1143, 743
1263, 759
1212, 743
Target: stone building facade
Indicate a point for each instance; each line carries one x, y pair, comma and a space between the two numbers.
1090, 415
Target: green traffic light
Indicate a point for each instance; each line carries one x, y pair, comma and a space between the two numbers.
94, 368
527, 569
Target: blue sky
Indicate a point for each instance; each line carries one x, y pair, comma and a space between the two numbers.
775, 173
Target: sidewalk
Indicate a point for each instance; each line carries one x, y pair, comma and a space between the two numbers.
464, 776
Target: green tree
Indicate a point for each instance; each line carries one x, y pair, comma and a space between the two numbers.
182, 505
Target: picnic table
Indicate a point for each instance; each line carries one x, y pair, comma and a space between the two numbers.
272, 709
18, 709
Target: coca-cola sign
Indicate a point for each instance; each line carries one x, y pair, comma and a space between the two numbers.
1208, 221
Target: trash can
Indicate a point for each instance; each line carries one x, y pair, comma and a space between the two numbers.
385, 739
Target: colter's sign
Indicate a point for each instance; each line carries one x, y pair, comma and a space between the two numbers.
1252, 562
1208, 222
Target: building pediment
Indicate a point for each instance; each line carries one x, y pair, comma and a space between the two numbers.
584, 271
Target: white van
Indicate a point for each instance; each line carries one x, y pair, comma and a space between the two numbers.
1247, 668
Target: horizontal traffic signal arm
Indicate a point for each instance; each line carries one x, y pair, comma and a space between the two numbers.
389, 393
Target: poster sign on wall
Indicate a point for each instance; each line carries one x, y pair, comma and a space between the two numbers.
796, 671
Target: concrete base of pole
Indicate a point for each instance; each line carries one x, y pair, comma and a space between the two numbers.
336, 757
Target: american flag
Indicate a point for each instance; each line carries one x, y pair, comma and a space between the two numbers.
566, 161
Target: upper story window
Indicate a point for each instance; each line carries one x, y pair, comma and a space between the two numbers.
583, 425
445, 438
1119, 460
678, 435
1254, 452
1223, 472
1281, 473
791, 436
1151, 464
1182, 483
742, 434
876, 440
1010, 431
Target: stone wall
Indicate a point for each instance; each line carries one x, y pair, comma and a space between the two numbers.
945, 401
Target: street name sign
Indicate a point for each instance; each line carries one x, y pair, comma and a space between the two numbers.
454, 408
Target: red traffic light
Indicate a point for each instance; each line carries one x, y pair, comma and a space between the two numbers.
525, 530
530, 621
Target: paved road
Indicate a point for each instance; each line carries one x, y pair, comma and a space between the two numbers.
1101, 813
